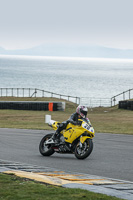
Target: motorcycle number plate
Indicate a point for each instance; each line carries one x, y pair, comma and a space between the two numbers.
86, 126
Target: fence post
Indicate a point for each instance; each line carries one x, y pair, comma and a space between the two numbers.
12, 92
6, 92
114, 100
17, 92
123, 95
35, 92
129, 93
79, 99
23, 92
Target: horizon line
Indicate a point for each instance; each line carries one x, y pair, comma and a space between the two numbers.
68, 58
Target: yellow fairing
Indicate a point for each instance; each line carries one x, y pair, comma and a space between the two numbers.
72, 132
55, 125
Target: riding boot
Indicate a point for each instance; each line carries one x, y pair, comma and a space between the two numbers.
56, 136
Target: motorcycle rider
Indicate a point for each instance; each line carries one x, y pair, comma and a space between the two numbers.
81, 112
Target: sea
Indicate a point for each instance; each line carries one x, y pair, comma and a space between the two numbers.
87, 78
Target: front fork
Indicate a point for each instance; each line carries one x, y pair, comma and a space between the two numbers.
82, 140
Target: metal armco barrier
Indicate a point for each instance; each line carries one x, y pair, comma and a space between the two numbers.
34, 92
32, 105
126, 95
126, 105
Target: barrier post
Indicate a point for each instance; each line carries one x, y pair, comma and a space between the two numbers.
50, 106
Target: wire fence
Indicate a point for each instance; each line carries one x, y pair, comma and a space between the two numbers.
126, 95
34, 92
95, 102
88, 101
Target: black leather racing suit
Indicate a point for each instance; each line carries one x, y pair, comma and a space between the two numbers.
73, 119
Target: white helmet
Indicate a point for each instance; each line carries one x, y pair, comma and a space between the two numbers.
82, 111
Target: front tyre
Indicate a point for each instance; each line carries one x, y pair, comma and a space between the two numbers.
44, 149
82, 151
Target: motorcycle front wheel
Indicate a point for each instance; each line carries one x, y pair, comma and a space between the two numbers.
44, 149
82, 151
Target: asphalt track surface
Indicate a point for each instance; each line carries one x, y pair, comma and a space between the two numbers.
112, 155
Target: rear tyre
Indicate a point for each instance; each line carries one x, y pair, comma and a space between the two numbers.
44, 149
84, 150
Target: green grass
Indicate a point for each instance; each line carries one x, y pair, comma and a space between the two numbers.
14, 188
106, 120
112, 120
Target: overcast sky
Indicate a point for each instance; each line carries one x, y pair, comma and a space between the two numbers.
28, 23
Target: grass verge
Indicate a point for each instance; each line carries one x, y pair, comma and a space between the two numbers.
14, 188
104, 119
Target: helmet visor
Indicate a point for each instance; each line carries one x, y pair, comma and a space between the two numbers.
83, 114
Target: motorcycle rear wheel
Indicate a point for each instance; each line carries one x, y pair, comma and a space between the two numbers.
44, 149
82, 152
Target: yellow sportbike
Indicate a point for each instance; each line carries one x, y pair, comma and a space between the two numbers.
75, 139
